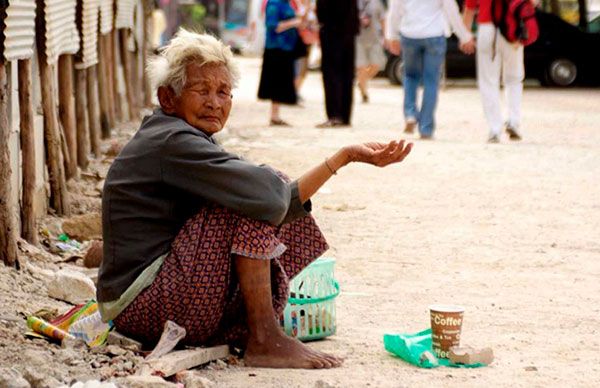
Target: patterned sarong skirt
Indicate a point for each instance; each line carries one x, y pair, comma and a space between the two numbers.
197, 285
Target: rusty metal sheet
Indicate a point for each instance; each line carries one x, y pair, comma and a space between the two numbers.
125, 10
107, 15
19, 29
62, 36
88, 20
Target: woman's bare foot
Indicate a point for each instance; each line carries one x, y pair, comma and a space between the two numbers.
281, 351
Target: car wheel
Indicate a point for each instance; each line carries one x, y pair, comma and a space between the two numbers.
561, 72
395, 70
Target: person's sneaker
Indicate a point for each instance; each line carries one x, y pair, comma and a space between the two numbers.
513, 134
494, 139
365, 98
426, 137
410, 126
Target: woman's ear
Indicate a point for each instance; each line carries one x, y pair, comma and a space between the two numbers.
167, 99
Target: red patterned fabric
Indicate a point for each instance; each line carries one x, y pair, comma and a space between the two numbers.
197, 286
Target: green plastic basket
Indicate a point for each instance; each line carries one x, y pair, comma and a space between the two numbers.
310, 312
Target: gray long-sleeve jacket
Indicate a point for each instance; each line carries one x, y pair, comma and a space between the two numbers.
161, 178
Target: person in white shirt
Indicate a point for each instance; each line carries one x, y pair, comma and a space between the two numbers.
418, 28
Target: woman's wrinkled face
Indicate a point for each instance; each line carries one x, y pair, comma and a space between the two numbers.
205, 100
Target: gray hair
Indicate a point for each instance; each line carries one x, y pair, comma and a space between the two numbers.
168, 68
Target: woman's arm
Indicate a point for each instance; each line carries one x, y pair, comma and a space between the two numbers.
468, 16
377, 154
289, 23
392, 24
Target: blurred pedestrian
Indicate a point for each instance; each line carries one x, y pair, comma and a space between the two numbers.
338, 20
159, 25
370, 57
496, 56
277, 75
309, 35
418, 29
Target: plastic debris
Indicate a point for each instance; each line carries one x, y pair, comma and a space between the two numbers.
171, 335
416, 349
40, 326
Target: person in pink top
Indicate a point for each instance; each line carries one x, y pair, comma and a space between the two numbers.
496, 57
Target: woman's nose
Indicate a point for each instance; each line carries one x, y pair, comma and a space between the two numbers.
211, 100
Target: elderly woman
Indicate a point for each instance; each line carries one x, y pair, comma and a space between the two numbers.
197, 235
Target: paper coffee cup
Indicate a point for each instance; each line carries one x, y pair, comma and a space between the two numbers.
446, 324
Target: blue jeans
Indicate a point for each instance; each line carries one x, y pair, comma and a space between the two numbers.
423, 59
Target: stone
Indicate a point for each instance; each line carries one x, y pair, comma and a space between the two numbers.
34, 357
39, 378
84, 227
93, 384
115, 350
114, 149
191, 379
11, 378
94, 254
323, 384
71, 286
116, 338
144, 382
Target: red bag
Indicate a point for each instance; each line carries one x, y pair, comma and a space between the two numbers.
309, 35
516, 20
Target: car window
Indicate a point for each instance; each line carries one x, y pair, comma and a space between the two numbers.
568, 10
594, 16
594, 25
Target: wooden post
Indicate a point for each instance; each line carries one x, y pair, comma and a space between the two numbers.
83, 140
136, 84
128, 74
58, 186
148, 7
105, 122
28, 218
114, 43
93, 111
8, 239
59, 196
66, 110
108, 56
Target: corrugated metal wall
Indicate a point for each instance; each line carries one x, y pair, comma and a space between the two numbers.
125, 13
88, 55
19, 29
106, 16
61, 31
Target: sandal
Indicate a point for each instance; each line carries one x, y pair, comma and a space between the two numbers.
279, 123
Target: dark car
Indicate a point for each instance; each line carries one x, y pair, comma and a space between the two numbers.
563, 55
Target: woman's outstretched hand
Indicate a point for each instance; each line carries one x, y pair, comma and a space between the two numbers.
379, 154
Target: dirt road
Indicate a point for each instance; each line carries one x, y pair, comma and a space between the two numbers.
511, 231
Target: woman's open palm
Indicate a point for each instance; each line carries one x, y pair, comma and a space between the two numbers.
379, 154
